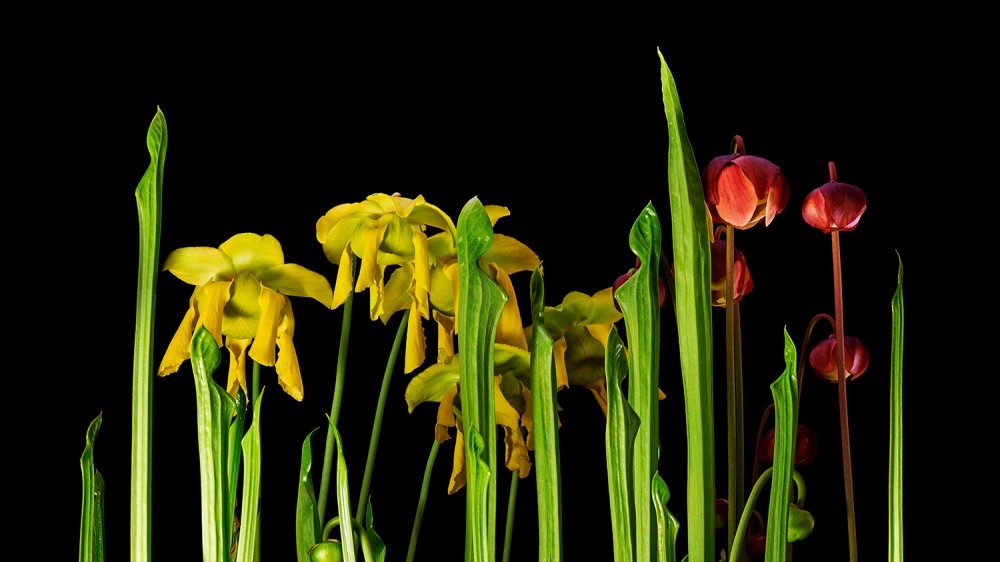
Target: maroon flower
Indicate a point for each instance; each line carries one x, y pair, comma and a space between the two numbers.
740, 190
834, 205
625, 276
805, 447
742, 282
823, 358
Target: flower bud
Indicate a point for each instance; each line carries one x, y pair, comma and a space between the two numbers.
834, 205
327, 551
823, 358
805, 447
740, 190
742, 282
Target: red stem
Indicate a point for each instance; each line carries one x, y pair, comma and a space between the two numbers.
845, 438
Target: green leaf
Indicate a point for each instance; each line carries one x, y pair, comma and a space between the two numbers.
250, 512
896, 424
620, 432
480, 302
377, 545
800, 523
786, 413
666, 523
639, 301
307, 523
148, 199
344, 499
235, 445
92, 511
692, 295
545, 430
215, 409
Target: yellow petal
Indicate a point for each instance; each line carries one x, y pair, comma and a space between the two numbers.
510, 255
287, 366
199, 265
446, 335
341, 237
510, 330
445, 415
415, 344
600, 332
496, 212
442, 291
600, 391
377, 294
296, 281
396, 292
345, 279
272, 307
333, 217
559, 355
430, 215
253, 252
365, 246
211, 303
421, 273
241, 314
237, 365
516, 452
457, 480
432, 384
179, 349
396, 246
528, 419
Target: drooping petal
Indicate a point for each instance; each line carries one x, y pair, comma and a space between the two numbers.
845, 203
430, 215
528, 420
212, 300
457, 480
344, 284
199, 265
272, 306
737, 197
778, 194
510, 255
446, 415
510, 330
179, 349
253, 252
445, 335
760, 172
327, 222
416, 345
584, 357
442, 291
296, 281
496, 212
340, 238
396, 246
710, 178
515, 450
365, 246
421, 273
287, 366
237, 365
559, 357
578, 309
431, 384
600, 391
396, 292
242, 311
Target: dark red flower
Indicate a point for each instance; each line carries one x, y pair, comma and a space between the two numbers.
742, 282
805, 447
834, 205
823, 358
740, 190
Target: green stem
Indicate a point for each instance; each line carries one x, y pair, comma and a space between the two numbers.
511, 503
366, 544
422, 501
379, 412
254, 388
338, 393
845, 434
739, 539
734, 397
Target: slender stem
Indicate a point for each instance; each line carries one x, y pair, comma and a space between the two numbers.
422, 501
379, 412
511, 503
338, 393
805, 342
254, 388
733, 425
359, 530
845, 435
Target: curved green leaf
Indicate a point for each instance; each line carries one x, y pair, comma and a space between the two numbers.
896, 424
545, 430
148, 199
786, 413
692, 297
215, 409
250, 512
620, 431
480, 302
344, 498
92, 510
376, 542
307, 523
235, 444
666, 524
639, 300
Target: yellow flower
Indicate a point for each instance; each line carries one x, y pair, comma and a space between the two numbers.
385, 230
241, 291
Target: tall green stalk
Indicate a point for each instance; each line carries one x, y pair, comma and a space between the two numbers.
149, 199
896, 425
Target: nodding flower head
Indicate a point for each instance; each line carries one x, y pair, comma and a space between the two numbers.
742, 282
740, 190
823, 358
805, 447
834, 205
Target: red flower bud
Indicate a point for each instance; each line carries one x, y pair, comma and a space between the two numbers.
805, 447
834, 205
823, 358
742, 282
740, 190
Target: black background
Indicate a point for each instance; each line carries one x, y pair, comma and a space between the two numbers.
560, 119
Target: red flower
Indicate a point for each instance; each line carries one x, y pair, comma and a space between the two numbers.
834, 205
823, 358
805, 447
740, 190
742, 282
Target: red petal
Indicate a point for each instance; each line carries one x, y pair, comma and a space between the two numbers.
737, 200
